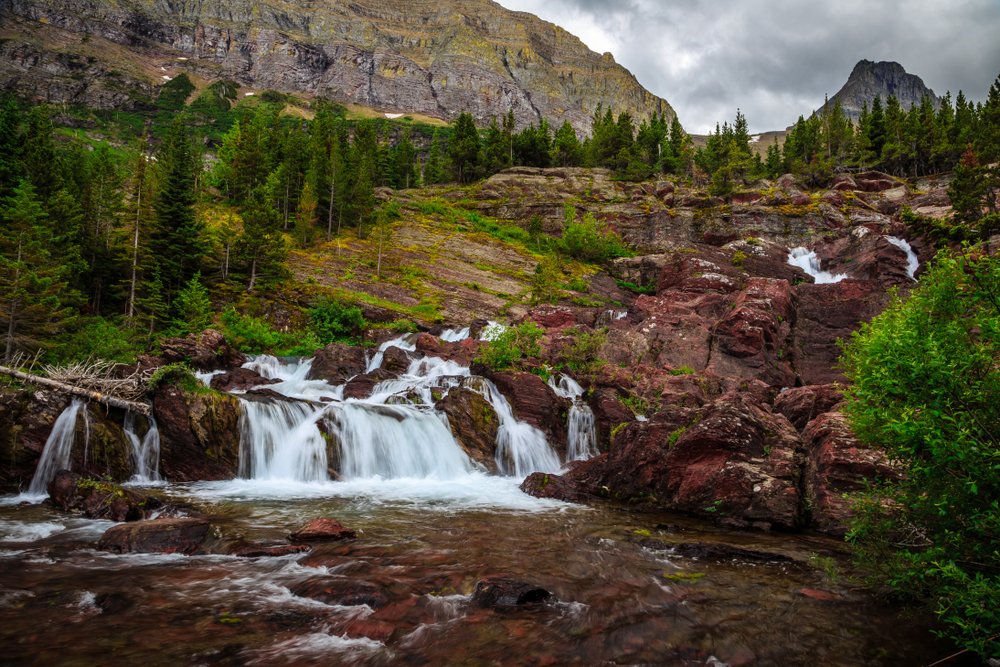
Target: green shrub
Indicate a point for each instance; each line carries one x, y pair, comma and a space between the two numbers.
254, 335
637, 289
98, 338
176, 374
332, 321
583, 354
591, 241
926, 386
510, 346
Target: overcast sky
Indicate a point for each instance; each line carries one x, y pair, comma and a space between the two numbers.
776, 59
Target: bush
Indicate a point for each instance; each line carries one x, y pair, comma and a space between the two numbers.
176, 374
926, 386
583, 354
98, 338
254, 335
510, 346
332, 321
591, 241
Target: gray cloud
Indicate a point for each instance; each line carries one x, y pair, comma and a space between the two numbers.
776, 59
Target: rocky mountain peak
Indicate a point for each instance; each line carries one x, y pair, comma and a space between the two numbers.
870, 79
435, 58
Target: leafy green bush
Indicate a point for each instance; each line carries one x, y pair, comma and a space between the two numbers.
583, 354
176, 374
254, 335
98, 338
332, 321
591, 241
636, 289
926, 386
510, 346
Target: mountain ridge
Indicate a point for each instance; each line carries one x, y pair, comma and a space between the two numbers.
870, 79
431, 58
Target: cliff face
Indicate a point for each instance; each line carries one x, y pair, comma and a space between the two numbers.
869, 80
433, 57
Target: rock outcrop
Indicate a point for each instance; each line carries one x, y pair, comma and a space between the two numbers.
199, 434
435, 58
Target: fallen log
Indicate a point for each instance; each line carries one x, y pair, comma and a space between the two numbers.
113, 401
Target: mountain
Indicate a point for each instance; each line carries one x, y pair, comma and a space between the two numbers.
431, 57
869, 80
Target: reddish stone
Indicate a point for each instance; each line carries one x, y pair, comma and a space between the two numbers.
534, 402
801, 404
345, 592
817, 594
168, 536
239, 379
205, 351
461, 352
98, 499
474, 424
337, 363
546, 485
507, 592
609, 412
268, 550
322, 529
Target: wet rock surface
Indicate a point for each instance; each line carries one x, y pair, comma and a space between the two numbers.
96, 499
199, 434
344, 592
322, 529
505, 592
337, 363
474, 423
166, 536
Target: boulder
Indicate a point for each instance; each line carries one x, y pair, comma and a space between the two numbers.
461, 352
167, 536
395, 360
557, 487
323, 529
609, 413
199, 434
98, 499
801, 404
205, 351
361, 386
342, 592
240, 379
837, 465
507, 592
732, 459
337, 363
474, 423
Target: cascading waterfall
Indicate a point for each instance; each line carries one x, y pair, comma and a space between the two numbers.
807, 260
59, 447
912, 263
581, 426
393, 433
145, 450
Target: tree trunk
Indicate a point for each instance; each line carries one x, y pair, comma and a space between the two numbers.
113, 401
253, 274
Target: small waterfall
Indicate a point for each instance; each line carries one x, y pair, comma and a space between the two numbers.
395, 441
521, 448
280, 440
145, 451
58, 447
455, 335
807, 260
912, 263
292, 378
581, 426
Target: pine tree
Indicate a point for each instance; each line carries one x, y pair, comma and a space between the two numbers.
10, 146
192, 308
566, 149
177, 241
31, 280
434, 168
464, 149
988, 142
261, 246
40, 160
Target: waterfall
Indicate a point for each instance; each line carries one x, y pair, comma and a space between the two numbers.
58, 447
145, 451
521, 448
807, 260
280, 440
455, 335
581, 426
912, 263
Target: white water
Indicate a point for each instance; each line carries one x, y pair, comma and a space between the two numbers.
912, 263
581, 426
455, 335
145, 450
394, 433
807, 260
58, 448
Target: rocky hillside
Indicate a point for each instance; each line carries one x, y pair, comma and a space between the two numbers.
432, 58
881, 79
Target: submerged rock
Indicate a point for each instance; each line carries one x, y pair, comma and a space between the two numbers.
267, 550
166, 536
322, 529
507, 592
98, 499
344, 592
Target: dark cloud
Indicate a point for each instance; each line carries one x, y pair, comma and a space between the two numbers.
776, 59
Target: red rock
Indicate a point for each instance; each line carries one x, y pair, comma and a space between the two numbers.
474, 424
199, 434
553, 317
546, 485
837, 465
337, 363
395, 360
461, 352
817, 594
168, 536
239, 379
205, 351
361, 386
801, 404
609, 412
99, 499
322, 529
345, 592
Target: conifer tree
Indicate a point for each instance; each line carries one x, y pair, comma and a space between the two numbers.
566, 148
434, 168
261, 245
464, 148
